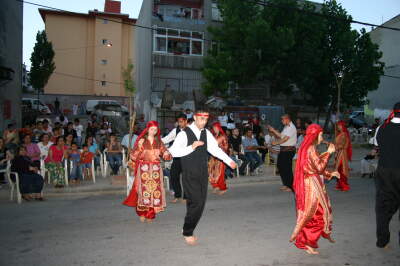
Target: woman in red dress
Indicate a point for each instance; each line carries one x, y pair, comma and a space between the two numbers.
216, 167
314, 214
147, 194
344, 154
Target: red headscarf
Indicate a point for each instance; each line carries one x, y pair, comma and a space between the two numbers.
220, 130
312, 133
144, 132
347, 133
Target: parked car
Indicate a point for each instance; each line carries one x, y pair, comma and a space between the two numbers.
34, 104
357, 119
90, 104
109, 110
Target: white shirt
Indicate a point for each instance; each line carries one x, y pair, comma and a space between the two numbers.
181, 149
395, 120
223, 119
125, 140
170, 137
78, 129
44, 149
291, 132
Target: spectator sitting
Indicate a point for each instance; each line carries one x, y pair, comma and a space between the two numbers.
11, 137
125, 140
368, 164
5, 156
261, 141
44, 145
26, 130
114, 154
78, 129
104, 120
92, 129
63, 120
93, 148
46, 127
30, 182
69, 129
69, 139
38, 132
235, 143
75, 158
86, 161
57, 153
56, 134
32, 150
103, 133
250, 146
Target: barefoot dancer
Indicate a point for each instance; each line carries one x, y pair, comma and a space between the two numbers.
314, 214
192, 145
147, 194
216, 167
176, 168
344, 153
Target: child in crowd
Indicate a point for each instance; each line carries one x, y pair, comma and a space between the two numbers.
75, 158
86, 161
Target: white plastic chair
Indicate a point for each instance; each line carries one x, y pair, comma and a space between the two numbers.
129, 181
13, 185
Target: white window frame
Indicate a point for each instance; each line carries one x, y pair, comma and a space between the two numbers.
103, 83
104, 62
191, 39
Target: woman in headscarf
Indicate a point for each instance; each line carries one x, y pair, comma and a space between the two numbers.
344, 154
147, 194
314, 214
216, 167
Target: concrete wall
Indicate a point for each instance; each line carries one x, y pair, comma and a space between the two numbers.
11, 26
388, 92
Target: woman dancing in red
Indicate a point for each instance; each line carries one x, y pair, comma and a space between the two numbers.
216, 167
147, 194
344, 154
314, 214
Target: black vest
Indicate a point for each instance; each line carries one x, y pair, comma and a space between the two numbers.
389, 146
178, 129
196, 163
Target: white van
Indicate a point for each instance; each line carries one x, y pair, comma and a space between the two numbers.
34, 104
90, 104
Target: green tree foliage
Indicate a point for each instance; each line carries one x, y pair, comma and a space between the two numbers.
286, 45
42, 64
129, 84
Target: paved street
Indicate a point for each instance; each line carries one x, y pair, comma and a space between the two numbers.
250, 225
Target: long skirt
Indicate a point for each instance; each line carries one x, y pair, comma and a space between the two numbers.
30, 183
216, 170
342, 183
56, 173
147, 194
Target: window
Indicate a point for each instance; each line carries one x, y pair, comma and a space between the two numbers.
215, 13
104, 61
104, 41
103, 83
180, 42
105, 21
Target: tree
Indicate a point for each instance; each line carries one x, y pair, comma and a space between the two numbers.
42, 64
129, 84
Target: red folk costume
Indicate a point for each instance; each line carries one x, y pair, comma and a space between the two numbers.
314, 214
147, 194
344, 154
216, 167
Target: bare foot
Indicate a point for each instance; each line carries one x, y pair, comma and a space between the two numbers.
149, 221
142, 219
222, 192
386, 247
330, 239
287, 190
283, 187
311, 251
183, 201
174, 200
190, 240
214, 191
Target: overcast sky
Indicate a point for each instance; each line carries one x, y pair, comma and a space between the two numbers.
374, 12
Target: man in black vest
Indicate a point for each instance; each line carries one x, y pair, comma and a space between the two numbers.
192, 145
388, 176
176, 168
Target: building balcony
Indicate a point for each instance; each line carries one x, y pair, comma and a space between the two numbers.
177, 61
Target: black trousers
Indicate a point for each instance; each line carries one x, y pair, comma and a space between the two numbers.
244, 164
387, 202
195, 185
176, 170
30, 183
284, 165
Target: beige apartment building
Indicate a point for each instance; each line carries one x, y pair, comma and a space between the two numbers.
90, 50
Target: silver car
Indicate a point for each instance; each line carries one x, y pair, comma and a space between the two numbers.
109, 110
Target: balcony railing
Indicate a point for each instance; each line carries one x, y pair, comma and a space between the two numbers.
177, 61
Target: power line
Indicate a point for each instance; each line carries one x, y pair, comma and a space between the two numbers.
79, 77
390, 76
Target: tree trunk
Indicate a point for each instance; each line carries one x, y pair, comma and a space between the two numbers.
328, 116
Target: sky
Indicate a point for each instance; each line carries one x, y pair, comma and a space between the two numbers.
372, 11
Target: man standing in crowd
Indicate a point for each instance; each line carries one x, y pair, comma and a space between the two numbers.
193, 145
388, 176
176, 168
287, 140
235, 143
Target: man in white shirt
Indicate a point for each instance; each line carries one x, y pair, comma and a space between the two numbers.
78, 129
125, 141
287, 140
176, 168
193, 145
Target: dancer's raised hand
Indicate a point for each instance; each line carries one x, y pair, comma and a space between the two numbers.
336, 174
233, 165
331, 148
197, 144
